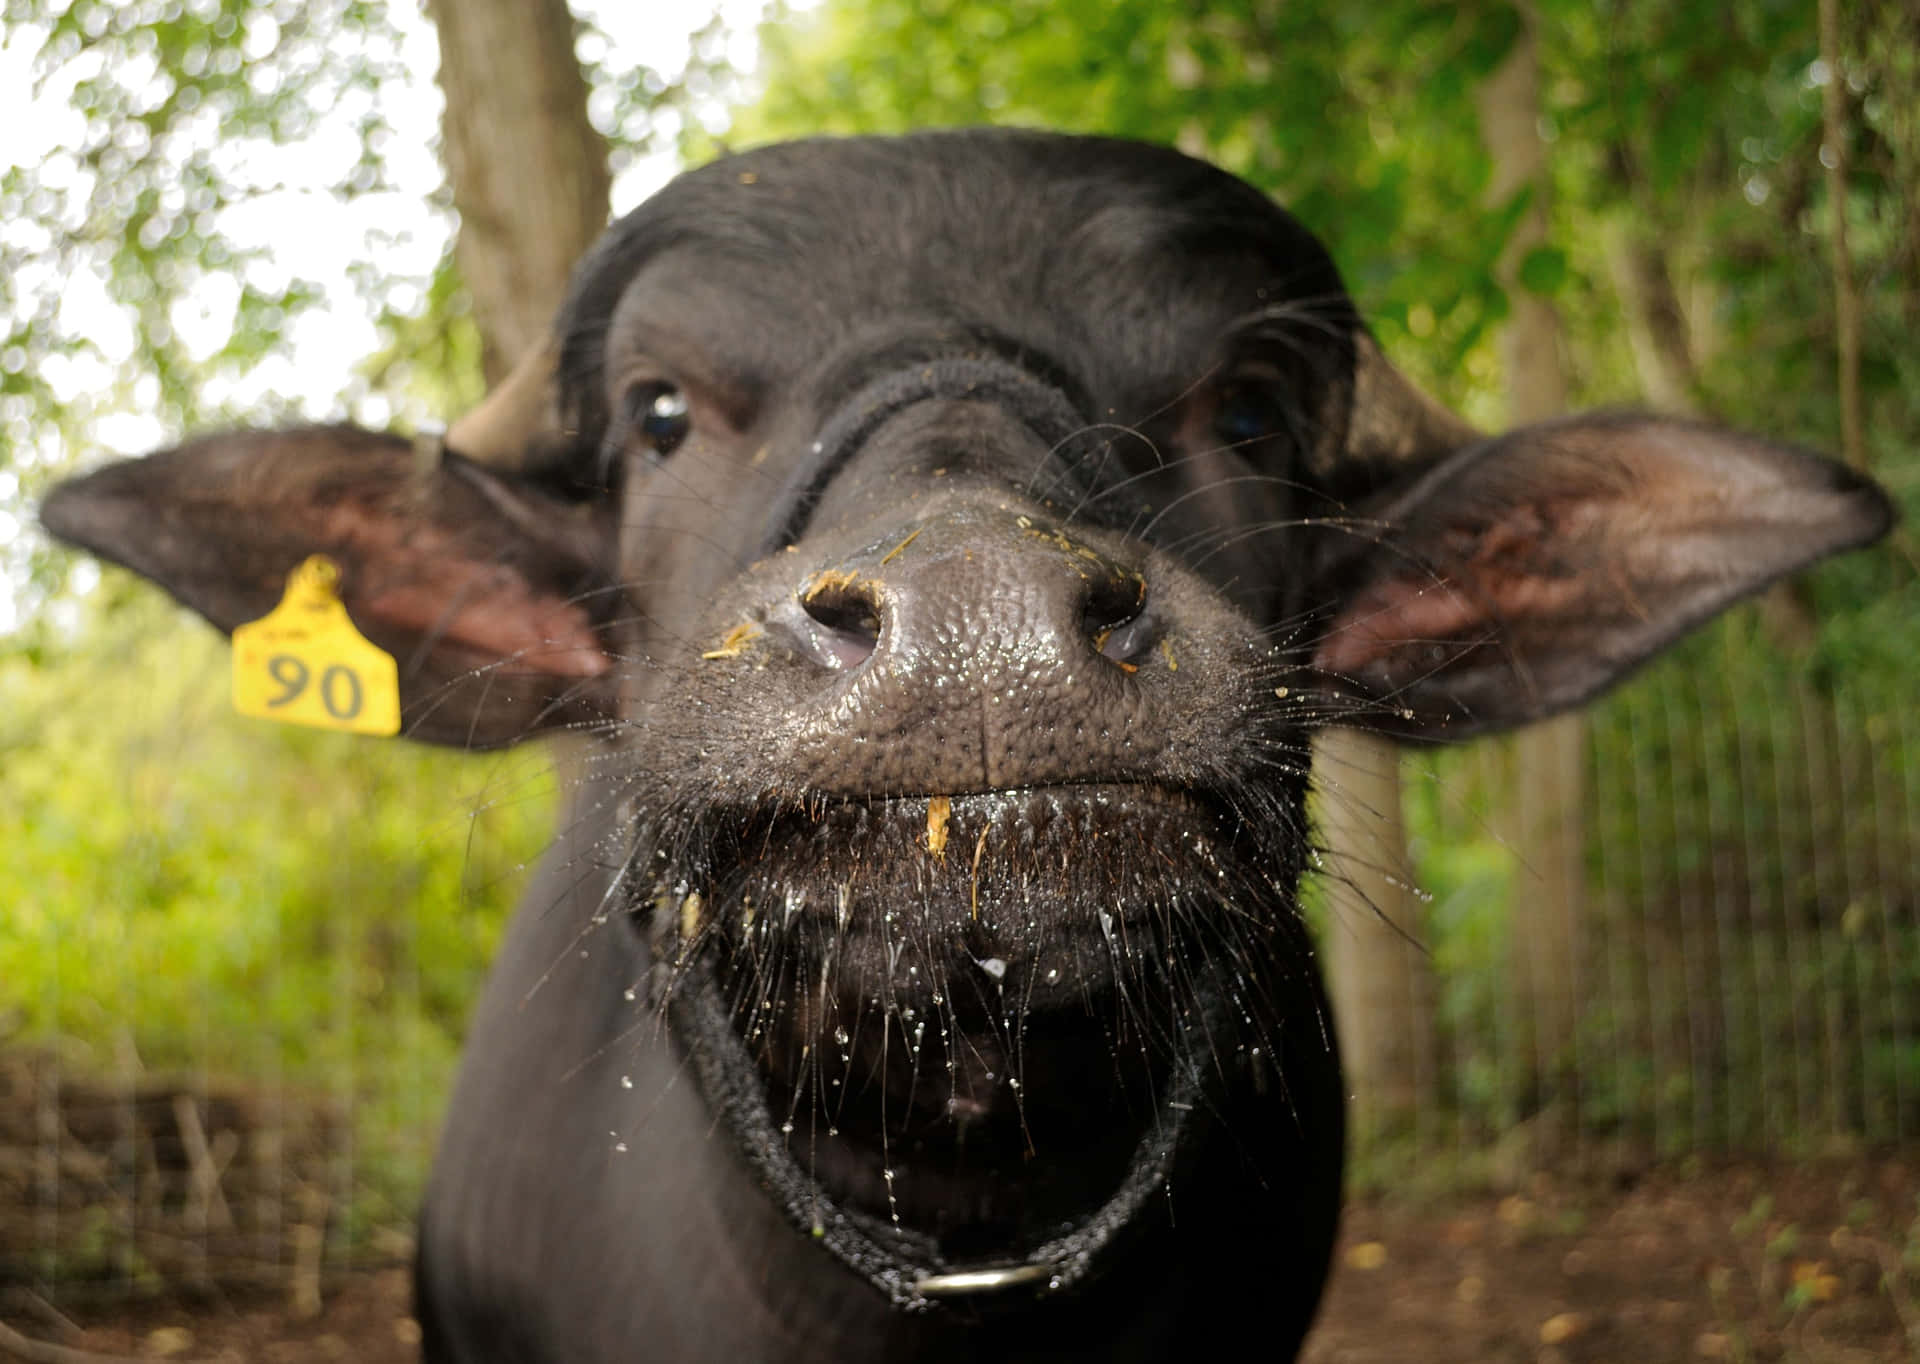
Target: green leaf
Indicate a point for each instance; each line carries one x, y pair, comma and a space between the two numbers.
1543, 270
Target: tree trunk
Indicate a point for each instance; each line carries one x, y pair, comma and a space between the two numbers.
1379, 976
529, 177
1846, 293
1656, 324
1547, 823
528, 171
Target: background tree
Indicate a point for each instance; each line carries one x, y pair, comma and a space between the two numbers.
1547, 779
528, 170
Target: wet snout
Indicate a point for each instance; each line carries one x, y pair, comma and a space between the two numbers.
991, 584
981, 646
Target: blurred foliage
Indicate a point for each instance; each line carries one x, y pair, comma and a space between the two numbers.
228, 897
156, 122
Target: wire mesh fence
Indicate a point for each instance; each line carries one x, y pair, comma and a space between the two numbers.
1743, 969
235, 960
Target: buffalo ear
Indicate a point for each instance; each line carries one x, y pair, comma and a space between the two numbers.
1526, 573
490, 593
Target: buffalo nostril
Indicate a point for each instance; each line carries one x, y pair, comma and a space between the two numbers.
1114, 617
847, 612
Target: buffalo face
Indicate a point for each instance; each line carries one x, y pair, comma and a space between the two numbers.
950, 545
966, 605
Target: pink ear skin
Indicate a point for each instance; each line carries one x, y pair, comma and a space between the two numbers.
489, 592
1525, 574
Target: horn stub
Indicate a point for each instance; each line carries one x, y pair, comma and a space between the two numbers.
1393, 425
502, 431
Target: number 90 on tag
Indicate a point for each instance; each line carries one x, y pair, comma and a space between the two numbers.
304, 663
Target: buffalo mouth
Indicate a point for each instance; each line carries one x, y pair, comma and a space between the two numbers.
966, 1042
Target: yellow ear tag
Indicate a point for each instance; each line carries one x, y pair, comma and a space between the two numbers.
303, 663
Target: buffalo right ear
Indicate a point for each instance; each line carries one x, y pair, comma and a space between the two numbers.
1527, 573
491, 593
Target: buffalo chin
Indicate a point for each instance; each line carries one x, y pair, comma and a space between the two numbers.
965, 1044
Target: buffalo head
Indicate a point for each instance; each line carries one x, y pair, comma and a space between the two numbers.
947, 548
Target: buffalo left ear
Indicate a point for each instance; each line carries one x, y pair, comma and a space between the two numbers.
490, 592
1526, 573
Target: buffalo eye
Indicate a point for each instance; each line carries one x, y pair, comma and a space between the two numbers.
1245, 413
659, 416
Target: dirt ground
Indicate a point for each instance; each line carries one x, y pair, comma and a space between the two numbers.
1748, 1264
1795, 1264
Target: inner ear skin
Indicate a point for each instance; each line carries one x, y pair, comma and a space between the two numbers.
491, 595
416, 586
1478, 581
1529, 573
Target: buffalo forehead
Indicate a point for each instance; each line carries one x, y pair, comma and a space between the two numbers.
754, 274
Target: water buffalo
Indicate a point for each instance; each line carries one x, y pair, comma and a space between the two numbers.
945, 548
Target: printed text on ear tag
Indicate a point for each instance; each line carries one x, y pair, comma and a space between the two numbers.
303, 662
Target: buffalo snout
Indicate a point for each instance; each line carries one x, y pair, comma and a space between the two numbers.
980, 647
